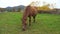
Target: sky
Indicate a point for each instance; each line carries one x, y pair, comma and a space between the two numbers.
11, 3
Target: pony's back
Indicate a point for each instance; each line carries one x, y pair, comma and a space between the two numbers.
31, 10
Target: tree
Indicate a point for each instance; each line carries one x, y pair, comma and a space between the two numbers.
44, 7
34, 3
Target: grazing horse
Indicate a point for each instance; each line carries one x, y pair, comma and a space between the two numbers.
30, 11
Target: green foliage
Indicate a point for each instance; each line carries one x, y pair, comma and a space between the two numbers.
10, 23
44, 7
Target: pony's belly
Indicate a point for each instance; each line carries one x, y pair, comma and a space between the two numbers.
32, 14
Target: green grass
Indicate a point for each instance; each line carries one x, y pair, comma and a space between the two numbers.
10, 23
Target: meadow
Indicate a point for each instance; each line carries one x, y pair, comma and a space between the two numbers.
11, 23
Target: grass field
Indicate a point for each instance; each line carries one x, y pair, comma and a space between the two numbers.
10, 23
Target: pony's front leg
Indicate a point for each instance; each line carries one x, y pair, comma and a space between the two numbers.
29, 21
34, 19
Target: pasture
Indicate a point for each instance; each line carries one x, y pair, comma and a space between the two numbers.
11, 23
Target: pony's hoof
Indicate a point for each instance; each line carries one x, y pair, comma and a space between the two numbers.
23, 29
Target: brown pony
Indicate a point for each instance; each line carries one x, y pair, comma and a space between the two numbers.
30, 11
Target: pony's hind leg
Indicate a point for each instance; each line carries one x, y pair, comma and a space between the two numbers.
34, 19
29, 21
